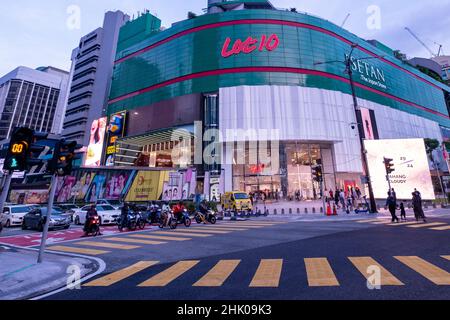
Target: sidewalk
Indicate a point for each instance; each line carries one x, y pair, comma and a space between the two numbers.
22, 278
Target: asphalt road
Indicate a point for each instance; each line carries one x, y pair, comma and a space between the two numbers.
268, 262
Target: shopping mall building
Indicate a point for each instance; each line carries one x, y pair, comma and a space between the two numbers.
246, 66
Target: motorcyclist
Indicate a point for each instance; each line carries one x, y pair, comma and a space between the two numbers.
90, 214
124, 214
154, 213
178, 210
204, 210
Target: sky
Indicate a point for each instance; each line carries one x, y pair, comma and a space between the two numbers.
41, 33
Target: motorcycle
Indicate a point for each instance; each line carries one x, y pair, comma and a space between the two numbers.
140, 220
168, 220
185, 219
130, 223
210, 217
93, 226
154, 215
364, 207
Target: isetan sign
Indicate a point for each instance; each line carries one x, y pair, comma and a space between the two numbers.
249, 45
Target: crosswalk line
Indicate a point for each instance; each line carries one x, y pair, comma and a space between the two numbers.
446, 257
164, 278
268, 273
240, 226
367, 220
190, 234
140, 241
319, 273
364, 264
77, 250
443, 228
218, 274
430, 271
382, 222
107, 245
403, 223
145, 236
224, 228
427, 225
120, 275
198, 230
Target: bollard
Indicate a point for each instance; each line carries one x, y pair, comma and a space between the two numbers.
306, 210
282, 211
298, 210
314, 210
275, 211
290, 210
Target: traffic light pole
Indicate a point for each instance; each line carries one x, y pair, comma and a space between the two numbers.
53, 184
5, 191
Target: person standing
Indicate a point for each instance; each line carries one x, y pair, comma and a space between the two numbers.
417, 206
402, 212
342, 199
392, 206
336, 198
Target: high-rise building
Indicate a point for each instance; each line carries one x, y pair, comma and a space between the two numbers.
444, 62
92, 66
35, 98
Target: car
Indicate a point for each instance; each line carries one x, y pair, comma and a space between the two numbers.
114, 203
69, 209
107, 213
35, 219
236, 201
13, 215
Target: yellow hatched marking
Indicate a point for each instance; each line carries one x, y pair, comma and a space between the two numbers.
268, 273
120, 275
444, 228
363, 264
107, 245
200, 235
240, 226
219, 274
199, 230
224, 229
426, 225
367, 220
319, 273
260, 223
446, 257
402, 223
141, 241
164, 278
430, 271
145, 236
77, 250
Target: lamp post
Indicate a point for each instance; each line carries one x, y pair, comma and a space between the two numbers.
348, 64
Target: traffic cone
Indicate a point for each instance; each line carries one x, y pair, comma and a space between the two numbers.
334, 210
328, 210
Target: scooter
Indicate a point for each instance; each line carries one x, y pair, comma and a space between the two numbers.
93, 227
168, 220
131, 223
185, 219
210, 217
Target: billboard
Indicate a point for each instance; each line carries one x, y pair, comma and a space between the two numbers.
29, 196
116, 130
147, 186
410, 163
96, 142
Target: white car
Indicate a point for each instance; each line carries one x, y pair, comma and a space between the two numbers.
107, 213
13, 215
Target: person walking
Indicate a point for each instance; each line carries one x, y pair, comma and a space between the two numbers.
402, 212
336, 198
392, 206
417, 206
342, 199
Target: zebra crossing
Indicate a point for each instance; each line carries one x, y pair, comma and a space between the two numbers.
436, 226
268, 274
132, 241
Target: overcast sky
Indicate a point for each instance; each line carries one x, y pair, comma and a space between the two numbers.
35, 33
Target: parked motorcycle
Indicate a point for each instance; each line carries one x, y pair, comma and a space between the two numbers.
93, 226
210, 217
168, 220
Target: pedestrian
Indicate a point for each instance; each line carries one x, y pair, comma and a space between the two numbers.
394, 194
342, 199
336, 198
402, 212
358, 193
392, 205
417, 206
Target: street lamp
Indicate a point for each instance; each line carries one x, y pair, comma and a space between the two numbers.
348, 64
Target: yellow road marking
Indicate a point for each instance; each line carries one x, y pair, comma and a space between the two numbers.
268, 273
426, 225
198, 230
107, 245
402, 223
145, 236
367, 220
135, 241
77, 250
382, 222
219, 274
446, 257
430, 271
364, 263
164, 278
183, 234
240, 226
444, 228
223, 228
319, 273
121, 274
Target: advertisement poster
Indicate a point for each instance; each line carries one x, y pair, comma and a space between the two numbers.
115, 186
97, 139
85, 183
147, 186
96, 189
116, 130
29, 196
65, 194
410, 164
369, 124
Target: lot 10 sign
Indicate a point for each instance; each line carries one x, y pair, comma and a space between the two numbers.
249, 45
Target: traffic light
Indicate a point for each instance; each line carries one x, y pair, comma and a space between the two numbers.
63, 156
23, 149
317, 173
389, 165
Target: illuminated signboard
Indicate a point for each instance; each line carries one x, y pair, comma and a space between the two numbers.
249, 45
97, 139
116, 130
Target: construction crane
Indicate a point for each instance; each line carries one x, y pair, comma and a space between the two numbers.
423, 43
345, 20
